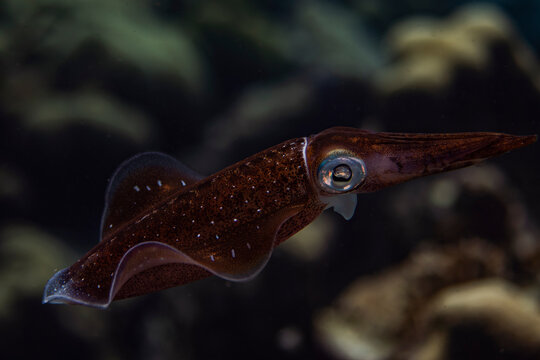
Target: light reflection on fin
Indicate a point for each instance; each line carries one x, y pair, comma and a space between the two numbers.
235, 257
139, 183
60, 290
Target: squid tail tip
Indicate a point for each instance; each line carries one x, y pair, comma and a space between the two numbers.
59, 290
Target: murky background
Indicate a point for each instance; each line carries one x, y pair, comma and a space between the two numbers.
445, 267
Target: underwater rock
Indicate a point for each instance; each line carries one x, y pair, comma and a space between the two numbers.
372, 318
427, 52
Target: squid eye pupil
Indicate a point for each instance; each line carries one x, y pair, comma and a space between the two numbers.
342, 173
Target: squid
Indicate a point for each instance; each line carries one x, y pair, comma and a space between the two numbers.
164, 225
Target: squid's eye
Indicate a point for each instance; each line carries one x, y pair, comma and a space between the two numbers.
341, 172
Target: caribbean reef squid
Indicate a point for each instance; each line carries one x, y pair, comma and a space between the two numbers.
164, 225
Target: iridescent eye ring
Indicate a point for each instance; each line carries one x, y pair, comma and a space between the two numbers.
341, 173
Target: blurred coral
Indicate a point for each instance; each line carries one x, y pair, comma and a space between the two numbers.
310, 243
427, 307
372, 318
492, 317
426, 52
61, 27
28, 254
50, 114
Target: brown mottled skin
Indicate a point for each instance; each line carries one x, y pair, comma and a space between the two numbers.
229, 222
271, 184
286, 174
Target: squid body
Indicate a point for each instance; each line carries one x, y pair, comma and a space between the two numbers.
165, 225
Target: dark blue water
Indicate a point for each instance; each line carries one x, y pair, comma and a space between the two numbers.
84, 86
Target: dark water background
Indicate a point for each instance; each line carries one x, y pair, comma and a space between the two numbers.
86, 84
